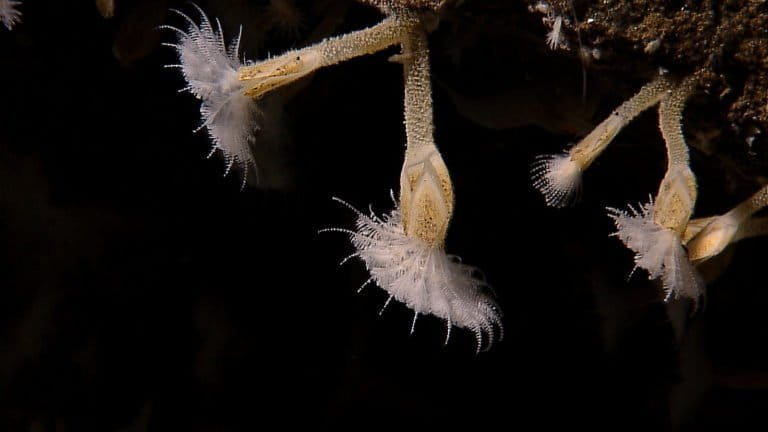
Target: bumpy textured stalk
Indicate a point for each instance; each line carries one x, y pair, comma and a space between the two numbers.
677, 192
589, 148
404, 249
426, 191
558, 176
656, 230
265, 76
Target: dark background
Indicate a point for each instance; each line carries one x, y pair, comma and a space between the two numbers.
140, 289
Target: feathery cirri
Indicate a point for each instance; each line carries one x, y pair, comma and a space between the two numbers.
210, 68
9, 15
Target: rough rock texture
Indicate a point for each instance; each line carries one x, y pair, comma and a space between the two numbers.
726, 41
411, 4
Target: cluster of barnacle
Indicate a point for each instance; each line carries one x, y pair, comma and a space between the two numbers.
666, 241
404, 250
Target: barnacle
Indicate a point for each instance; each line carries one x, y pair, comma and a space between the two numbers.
554, 37
9, 14
422, 276
404, 250
654, 232
210, 68
718, 232
558, 177
229, 89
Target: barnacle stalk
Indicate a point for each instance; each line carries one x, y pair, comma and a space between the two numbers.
426, 191
260, 78
677, 192
404, 250
720, 231
558, 176
655, 231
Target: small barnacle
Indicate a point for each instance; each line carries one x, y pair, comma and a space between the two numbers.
210, 68
652, 46
654, 232
554, 37
558, 177
9, 14
541, 7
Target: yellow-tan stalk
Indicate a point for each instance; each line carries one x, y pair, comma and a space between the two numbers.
262, 77
426, 191
591, 146
676, 197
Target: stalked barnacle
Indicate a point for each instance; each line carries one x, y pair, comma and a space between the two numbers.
558, 176
654, 232
229, 89
404, 250
9, 13
210, 68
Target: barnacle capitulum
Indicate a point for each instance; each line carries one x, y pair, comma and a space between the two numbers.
718, 232
558, 177
555, 37
654, 232
423, 277
9, 14
657, 250
262, 77
404, 251
210, 68
106, 8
